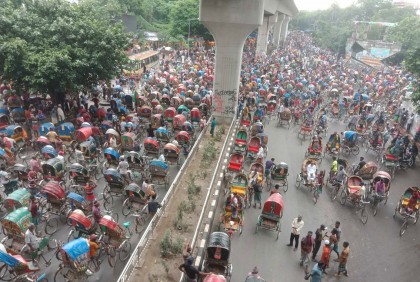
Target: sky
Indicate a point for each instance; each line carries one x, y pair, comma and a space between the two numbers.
312, 5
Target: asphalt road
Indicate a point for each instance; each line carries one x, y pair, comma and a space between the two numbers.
377, 251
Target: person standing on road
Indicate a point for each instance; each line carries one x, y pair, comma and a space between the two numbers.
342, 266
337, 227
212, 126
190, 271
297, 225
325, 257
305, 249
316, 274
334, 243
319, 236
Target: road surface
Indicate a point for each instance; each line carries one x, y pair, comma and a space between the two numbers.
377, 251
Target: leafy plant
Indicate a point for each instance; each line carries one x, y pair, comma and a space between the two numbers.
165, 266
192, 188
168, 246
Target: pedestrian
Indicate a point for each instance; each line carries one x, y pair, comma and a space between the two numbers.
319, 236
253, 275
334, 243
316, 274
337, 227
257, 191
325, 257
33, 208
60, 113
212, 126
191, 271
54, 116
342, 266
410, 123
305, 249
297, 225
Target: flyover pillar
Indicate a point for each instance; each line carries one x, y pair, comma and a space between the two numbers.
284, 29
277, 29
230, 22
263, 32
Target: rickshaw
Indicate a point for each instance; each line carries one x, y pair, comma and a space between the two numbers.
41, 142
111, 156
4, 120
257, 128
162, 135
136, 199
217, 255
236, 161
408, 207
16, 200
76, 201
315, 149
156, 121
368, 171
112, 132
332, 148
172, 154
195, 116
183, 138
196, 99
188, 127
335, 109
115, 237
158, 171
178, 121
165, 100
136, 163
66, 132
315, 186
14, 226
53, 169
355, 193
182, 108
18, 115
56, 199
115, 185
361, 126
349, 143
16, 132
127, 141
241, 141
278, 175
252, 149
170, 114
75, 263
151, 147
375, 144
49, 152
145, 112
45, 128
271, 214
204, 110
21, 171
82, 134
176, 102
88, 149
232, 218
189, 103
284, 118
82, 225
376, 197
305, 129
10, 186
15, 265
78, 174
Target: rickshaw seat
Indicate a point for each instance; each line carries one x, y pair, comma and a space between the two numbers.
234, 166
218, 253
29, 264
354, 189
391, 157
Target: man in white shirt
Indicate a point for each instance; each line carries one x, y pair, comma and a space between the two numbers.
297, 225
31, 240
311, 171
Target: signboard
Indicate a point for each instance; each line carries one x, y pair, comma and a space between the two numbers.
380, 52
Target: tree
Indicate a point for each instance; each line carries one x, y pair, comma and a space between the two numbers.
412, 64
183, 13
55, 46
407, 32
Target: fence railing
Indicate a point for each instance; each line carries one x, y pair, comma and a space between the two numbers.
148, 232
217, 175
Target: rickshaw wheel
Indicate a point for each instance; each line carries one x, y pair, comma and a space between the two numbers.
403, 228
355, 151
286, 186
343, 197
108, 201
51, 226
396, 209
112, 256
4, 273
72, 235
298, 180
124, 251
416, 217
61, 275
364, 215
375, 207
126, 208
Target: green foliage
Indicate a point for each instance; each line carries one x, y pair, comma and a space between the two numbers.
333, 26
210, 153
56, 46
412, 64
169, 246
192, 188
407, 32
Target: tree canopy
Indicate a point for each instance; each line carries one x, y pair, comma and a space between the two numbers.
57, 46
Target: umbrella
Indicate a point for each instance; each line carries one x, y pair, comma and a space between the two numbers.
365, 97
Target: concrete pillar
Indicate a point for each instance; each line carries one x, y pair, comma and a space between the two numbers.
230, 22
263, 32
284, 29
277, 29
